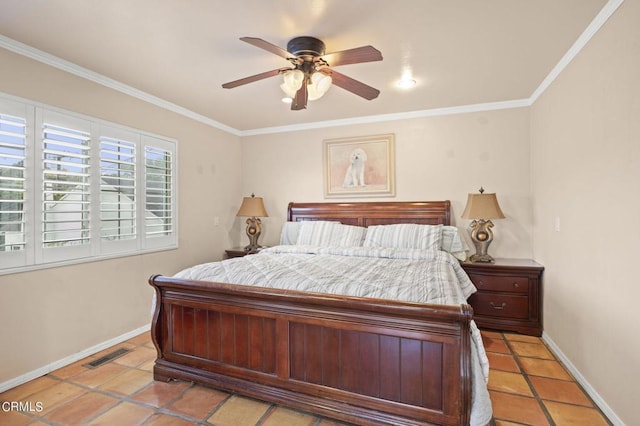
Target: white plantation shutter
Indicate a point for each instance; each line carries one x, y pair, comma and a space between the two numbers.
13, 189
65, 186
73, 188
118, 197
159, 184
12, 182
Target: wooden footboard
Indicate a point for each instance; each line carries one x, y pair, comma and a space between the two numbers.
365, 361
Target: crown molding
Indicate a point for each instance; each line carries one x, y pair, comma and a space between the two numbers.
581, 42
70, 67
435, 112
54, 61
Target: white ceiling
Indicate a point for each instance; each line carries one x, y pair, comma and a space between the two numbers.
460, 52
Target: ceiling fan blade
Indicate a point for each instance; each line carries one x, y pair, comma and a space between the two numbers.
258, 42
353, 86
302, 96
353, 56
251, 79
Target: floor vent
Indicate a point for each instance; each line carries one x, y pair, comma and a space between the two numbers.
107, 358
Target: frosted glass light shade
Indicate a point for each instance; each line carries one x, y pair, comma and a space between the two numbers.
320, 83
292, 82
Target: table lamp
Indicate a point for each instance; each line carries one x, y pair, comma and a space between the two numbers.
253, 208
481, 208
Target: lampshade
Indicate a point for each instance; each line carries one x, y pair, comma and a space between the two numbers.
320, 83
482, 206
252, 207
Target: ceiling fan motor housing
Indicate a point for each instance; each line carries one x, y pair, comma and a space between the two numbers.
306, 46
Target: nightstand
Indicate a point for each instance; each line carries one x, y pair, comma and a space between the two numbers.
509, 296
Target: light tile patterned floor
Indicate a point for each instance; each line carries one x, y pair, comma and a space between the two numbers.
527, 386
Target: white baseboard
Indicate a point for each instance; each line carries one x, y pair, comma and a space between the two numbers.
601, 403
71, 359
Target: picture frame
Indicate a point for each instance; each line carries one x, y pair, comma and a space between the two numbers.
360, 166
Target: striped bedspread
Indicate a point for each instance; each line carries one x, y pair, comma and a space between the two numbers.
412, 275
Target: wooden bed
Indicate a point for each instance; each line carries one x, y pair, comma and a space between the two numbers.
365, 361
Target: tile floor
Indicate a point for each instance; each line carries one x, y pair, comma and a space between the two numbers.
527, 386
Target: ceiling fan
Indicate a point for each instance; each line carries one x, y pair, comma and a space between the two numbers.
311, 75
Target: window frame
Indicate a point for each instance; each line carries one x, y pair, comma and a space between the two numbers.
35, 255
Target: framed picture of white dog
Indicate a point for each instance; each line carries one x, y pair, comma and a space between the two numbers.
360, 167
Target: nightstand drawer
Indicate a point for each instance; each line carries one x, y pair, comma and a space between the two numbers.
509, 284
516, 307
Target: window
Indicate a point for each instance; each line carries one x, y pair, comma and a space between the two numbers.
74, 188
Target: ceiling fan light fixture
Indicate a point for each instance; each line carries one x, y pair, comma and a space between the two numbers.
292, 82
320, 83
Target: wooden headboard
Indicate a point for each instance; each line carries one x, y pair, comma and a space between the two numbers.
373, 213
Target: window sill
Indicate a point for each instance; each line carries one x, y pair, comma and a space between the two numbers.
31, 268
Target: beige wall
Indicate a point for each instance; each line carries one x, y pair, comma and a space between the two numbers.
51, 314
437, 158
586, 171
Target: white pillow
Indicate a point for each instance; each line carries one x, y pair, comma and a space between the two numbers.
451, 240
330, 234
453, 243
290, 232
404, 235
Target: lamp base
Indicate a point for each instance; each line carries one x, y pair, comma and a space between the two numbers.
254, 229
481, 258
481, 235
252, 249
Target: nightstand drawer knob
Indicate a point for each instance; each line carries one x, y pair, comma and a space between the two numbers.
498, 308
516, 285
